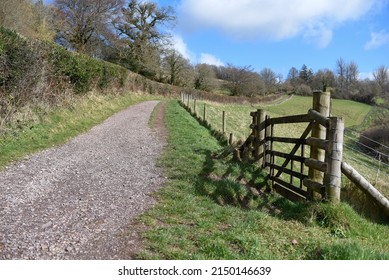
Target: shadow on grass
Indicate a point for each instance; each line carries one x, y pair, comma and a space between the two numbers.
229, 182
243, 185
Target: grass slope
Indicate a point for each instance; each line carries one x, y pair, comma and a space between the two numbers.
238, 116
205, 213
357, 117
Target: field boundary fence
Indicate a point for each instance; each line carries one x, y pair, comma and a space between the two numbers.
297, 174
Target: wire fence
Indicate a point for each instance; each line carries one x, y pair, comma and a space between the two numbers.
369, 161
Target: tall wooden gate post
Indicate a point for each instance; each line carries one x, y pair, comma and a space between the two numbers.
259, 136
334, 153
321, 104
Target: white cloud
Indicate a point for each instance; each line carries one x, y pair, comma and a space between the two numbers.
275, 19
319, 36
377, 40
180, 46
364, 75
210, 59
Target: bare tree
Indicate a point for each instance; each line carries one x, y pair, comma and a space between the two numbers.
341, 68
323, 79
243, 80
381, 76
176, 68
352, 74
205, 77
79, 22
293, 76
139, 28
270, 78
15, 15
27, 18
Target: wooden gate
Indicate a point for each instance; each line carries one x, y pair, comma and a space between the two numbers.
320, 172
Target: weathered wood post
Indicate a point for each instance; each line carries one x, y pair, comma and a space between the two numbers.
266, 143
260, 136
334, 153
321, 104
224, 122
204, 114
231, 139
194, 107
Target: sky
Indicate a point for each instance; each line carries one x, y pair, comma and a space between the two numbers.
280, 34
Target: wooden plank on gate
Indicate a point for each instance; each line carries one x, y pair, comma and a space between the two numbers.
288, 171
290, 119
290, 186
316, 164
288, 193
288, 156
323, 120
287, 140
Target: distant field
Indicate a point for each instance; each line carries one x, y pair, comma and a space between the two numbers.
356, 117
238, 116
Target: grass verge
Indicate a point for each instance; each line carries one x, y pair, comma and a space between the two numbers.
61, 124
209, 211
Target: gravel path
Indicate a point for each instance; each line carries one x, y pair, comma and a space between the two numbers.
77, 200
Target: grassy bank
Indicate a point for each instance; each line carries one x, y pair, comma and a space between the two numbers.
357, 117
205, 212
63, 123
238, 115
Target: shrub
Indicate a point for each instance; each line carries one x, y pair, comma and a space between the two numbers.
36, 72
16, 58
303, 90
371, 139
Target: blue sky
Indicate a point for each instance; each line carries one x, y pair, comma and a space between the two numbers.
281, 34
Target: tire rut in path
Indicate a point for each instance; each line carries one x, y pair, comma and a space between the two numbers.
77, 200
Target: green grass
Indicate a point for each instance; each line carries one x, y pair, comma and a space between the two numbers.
238, 116
203, 212
357, 117
62, 123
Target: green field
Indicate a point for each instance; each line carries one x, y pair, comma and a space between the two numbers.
238, 116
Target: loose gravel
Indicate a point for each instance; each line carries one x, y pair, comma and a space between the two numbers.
76, 201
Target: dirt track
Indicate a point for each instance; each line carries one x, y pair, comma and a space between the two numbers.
77, 200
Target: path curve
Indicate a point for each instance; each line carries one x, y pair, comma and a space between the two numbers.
77, 200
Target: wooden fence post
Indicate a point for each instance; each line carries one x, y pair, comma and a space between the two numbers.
259, 136
204, 114
321, 104
194, 107
334, 153
231, 139
224, 122
266, 144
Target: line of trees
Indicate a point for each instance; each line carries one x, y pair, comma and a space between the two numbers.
133, 33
